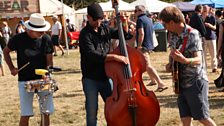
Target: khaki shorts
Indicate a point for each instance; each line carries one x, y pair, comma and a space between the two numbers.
146, 54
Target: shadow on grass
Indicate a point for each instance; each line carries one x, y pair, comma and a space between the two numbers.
68, 71
65, 95
163, 77
170, 101
216, 102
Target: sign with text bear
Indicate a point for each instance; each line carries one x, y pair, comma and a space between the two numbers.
13, 7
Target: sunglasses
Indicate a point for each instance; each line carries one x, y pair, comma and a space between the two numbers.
95, 19
137, 10
41, 32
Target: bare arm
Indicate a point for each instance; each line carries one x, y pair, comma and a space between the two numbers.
177, 56
59, 35
49, 60
118, 58
140, 37
8, 60
213, 27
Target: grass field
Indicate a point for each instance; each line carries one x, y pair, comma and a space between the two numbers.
69, 99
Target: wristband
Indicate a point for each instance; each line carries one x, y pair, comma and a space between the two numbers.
191, 61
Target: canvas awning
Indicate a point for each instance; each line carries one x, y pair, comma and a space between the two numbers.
152, 5
107, 6
54, 7
184, 6
213, 3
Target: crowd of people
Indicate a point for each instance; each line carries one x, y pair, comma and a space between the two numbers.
189, 39
193, 97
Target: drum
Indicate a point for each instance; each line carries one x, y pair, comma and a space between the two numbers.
40, 85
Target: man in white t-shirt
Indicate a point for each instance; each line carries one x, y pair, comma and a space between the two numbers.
56, 31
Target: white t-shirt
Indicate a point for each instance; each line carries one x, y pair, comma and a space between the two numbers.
55, 28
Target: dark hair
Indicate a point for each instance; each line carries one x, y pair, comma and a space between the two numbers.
67, 20
198, 8
218, 13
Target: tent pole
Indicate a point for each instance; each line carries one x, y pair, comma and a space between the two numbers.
64, 28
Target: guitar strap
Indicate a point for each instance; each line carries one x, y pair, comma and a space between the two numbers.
185, 41
176, 74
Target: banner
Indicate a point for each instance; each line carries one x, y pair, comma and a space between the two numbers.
18, 7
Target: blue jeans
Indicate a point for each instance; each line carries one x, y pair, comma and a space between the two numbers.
91, 90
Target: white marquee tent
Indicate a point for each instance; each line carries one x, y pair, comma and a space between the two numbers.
152, 5
54, 7
107, 6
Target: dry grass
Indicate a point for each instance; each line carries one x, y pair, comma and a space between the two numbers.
69, 99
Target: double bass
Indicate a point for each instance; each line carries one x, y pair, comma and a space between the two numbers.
130, 103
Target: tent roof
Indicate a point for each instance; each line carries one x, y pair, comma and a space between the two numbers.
54, 7
107, 6
184, 6
152, 5
215, 3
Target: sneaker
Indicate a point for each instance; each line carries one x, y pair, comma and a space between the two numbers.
55, 55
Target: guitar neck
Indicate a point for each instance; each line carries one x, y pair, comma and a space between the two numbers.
175, 74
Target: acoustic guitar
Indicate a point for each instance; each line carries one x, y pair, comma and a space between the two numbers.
175, 65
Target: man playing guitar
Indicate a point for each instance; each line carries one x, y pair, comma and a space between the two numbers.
186, 49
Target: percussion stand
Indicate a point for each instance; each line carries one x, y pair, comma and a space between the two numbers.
42, 100
43, 106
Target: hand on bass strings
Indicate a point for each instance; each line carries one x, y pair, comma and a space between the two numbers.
118, 58
122, 59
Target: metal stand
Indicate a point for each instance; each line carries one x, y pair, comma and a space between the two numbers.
43, 99
43, 108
